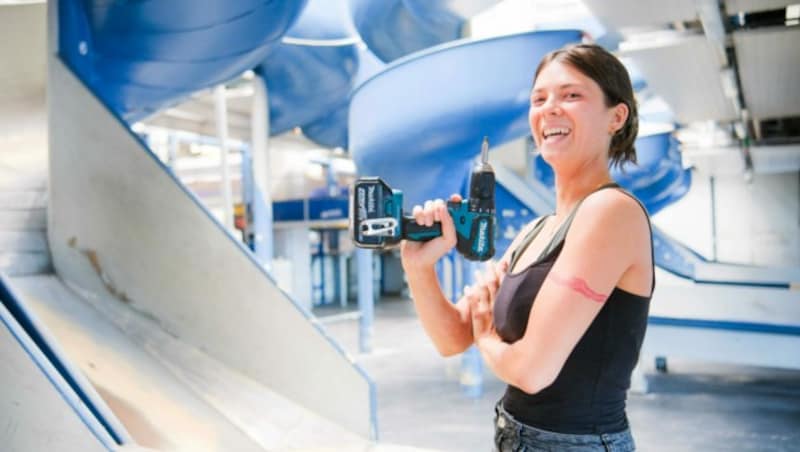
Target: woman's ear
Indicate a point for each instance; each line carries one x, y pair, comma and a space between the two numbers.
621, 112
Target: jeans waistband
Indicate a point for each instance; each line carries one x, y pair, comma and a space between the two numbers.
506, 424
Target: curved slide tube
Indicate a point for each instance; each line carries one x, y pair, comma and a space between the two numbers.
396, 28
311, 71
142, 56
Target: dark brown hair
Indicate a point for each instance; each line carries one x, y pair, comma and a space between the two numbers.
607, 71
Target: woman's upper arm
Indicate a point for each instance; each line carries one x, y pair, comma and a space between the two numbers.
599, 248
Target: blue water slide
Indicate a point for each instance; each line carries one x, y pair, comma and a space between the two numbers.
395, 28
139, 57
331, 129
312, 70
419, 123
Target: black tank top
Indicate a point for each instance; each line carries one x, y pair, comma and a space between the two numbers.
588, 395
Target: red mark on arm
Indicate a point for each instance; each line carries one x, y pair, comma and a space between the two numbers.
578, 285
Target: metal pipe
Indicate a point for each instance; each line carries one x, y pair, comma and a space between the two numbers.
366, 299
221, 114
262, 205
172, 150
712, 184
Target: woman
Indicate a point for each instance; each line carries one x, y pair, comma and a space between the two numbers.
562, 316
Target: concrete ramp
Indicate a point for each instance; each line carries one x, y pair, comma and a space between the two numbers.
168, 394
38, 409
124, 232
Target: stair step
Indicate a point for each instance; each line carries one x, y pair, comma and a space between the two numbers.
10, 180
22, 263
23, 199
23, 220
23, 241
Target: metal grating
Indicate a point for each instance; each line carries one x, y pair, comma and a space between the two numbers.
636, 13
685, 71
769, 70
735, 6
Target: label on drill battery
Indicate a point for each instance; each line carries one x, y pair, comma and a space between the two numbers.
366, 202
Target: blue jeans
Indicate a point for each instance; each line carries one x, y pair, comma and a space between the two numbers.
510, 435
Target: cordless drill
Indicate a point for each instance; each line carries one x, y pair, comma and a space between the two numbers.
377, 220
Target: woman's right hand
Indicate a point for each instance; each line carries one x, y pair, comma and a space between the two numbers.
423, 255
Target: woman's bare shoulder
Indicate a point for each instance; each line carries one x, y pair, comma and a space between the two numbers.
612, 215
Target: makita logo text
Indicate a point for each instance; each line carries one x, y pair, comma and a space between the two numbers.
371, 199
362, 211
482, 235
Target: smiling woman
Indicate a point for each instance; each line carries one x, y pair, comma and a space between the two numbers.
562, 316
578, 78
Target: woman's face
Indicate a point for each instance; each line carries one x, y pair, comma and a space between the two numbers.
569, 120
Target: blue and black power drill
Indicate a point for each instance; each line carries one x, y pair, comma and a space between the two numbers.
377, 220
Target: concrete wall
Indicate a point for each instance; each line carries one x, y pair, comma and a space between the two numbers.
757, 222
22, 43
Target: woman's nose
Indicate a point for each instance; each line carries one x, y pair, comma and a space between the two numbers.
551, 106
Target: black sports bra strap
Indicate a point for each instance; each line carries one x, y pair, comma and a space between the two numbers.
652, 247
529, 237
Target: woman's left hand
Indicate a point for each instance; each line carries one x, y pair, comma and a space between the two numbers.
481, 298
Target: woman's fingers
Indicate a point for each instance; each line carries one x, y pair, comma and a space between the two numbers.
418, 214
431, 212
428, 213
479, 297
439, 210
448, 227
489, 281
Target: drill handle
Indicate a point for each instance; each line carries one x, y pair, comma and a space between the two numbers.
420, 233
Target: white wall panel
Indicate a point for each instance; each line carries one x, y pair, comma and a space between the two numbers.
685, 71
769, 69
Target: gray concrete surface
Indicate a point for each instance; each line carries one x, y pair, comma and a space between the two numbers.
694, 407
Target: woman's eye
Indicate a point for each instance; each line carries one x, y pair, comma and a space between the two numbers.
573, 95
537, 100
